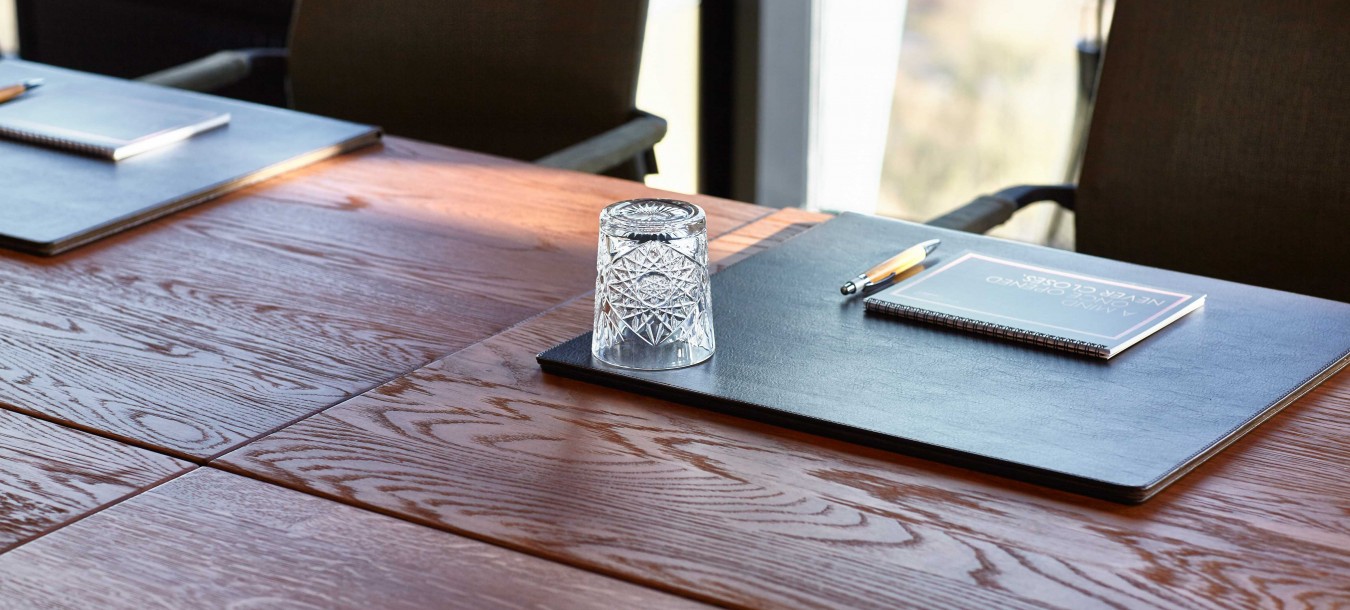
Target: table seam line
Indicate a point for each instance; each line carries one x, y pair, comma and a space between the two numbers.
482, 538
102, 507
408, 371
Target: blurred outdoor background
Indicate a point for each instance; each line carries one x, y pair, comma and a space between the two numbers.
9, 42
984, 99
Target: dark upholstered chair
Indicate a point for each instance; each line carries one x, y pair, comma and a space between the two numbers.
1219, 145
550, 81
129, 38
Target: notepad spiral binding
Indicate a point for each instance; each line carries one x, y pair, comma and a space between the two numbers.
988, 328
57, 142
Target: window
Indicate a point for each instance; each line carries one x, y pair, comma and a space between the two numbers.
911, 109
984, 99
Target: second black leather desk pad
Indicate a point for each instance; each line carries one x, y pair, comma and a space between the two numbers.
55, 200
791, 351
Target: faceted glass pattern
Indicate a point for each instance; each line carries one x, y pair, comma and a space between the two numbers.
652, 306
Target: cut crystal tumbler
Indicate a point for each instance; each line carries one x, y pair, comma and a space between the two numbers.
653, 309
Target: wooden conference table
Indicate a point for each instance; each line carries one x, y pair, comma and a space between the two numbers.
321, 392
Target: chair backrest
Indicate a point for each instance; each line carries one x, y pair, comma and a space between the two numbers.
132, 38
1220, 142
518, 78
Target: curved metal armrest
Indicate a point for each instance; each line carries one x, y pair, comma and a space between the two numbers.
989, 211
609, 149
214, 71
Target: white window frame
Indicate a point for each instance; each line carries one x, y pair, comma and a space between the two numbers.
827, 73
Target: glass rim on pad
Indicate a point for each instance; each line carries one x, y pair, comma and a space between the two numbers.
653, 308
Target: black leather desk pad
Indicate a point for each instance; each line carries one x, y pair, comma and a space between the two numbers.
791, 351
55, 200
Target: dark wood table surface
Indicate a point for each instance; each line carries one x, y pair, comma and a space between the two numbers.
321, 392
193, 335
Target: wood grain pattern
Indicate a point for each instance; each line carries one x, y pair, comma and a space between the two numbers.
51, 475
746, 514
197, 332
215, 540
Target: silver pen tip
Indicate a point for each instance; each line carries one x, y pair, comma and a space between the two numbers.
930, 245
32, 83
848, 288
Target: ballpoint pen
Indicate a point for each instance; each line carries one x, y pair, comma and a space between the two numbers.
890, 268
10, 92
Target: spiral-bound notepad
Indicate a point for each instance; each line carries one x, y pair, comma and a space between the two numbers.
90, 121
1048, 307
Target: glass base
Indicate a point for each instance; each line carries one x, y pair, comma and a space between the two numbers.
642, 356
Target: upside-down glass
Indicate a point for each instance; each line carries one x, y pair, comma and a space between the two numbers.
653, 307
